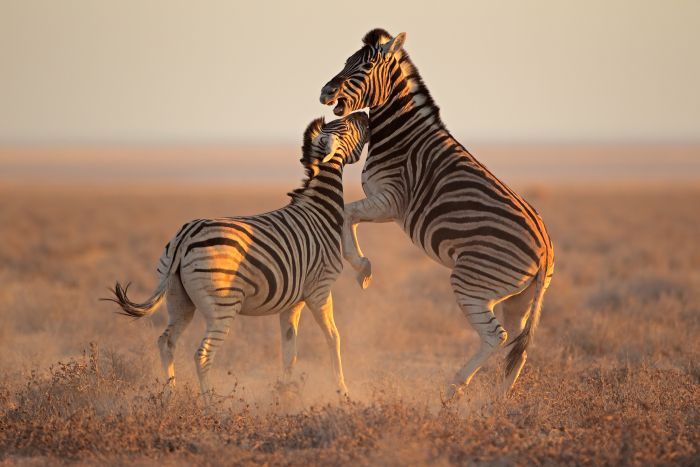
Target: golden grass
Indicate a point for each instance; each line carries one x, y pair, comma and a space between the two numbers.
613, 376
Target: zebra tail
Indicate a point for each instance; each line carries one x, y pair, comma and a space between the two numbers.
138, 310
520, 343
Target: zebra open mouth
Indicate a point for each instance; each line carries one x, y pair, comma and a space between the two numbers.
340, 107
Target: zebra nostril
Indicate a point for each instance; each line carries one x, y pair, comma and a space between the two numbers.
329, 90
328, 94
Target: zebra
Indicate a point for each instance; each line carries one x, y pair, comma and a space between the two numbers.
272, 263
451, 206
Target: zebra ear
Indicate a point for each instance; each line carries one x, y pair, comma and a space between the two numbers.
394, 45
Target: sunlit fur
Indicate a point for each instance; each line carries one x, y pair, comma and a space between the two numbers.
420, 176
362, 83
272, 263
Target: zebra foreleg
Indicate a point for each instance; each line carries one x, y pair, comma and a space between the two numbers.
479, 312
376, 208
322, 311
360, 263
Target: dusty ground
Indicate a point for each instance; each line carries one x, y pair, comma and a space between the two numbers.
613, 377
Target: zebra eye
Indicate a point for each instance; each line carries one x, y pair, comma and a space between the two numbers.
324, 139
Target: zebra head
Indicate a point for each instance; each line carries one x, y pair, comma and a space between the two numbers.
341, 139
368, 76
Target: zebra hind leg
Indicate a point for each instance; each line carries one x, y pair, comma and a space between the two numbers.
218, 321
289, 325
180, 313
289, 390
479, 312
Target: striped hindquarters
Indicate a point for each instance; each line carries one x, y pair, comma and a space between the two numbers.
460, 212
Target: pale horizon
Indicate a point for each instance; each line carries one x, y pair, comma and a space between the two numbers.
79, 73
278, 165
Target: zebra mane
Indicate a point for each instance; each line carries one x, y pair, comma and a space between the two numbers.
310, 133
307, 160
376, 36
410, 71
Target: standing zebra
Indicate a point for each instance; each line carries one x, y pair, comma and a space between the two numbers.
272, 263
451, 206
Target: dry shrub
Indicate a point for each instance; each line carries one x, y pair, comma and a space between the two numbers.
83, 409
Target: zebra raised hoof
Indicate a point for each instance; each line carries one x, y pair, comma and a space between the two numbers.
271, 263
418, 175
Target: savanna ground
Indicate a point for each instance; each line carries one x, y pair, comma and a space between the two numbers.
613, 376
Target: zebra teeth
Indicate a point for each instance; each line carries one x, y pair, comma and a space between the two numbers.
339, 109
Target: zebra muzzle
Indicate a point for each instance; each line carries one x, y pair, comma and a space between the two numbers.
328, 94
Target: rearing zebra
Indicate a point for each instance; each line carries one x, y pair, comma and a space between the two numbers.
451, 206
261, 265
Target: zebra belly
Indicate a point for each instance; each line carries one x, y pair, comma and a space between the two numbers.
251, 308
444, 259
273, 295
479, 244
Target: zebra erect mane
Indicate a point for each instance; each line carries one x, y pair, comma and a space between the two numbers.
411, 72
376, 36
310, 134
412, 75
306, 160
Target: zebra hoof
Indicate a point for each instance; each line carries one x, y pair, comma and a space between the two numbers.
451, 394
364, 276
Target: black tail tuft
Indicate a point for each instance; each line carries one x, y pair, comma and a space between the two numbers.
518, 346
137, 310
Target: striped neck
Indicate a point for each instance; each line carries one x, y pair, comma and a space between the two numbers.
409, 102
323, 193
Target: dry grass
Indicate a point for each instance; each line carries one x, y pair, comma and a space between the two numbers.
613, 377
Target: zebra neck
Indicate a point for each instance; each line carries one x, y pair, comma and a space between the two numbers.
323, 194
410, 107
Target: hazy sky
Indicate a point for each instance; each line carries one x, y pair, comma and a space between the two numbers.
165, 71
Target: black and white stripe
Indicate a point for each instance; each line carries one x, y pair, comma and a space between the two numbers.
271, 263
461, 215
